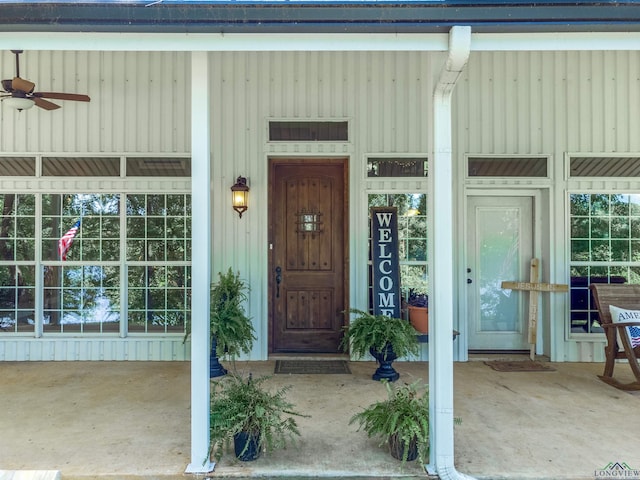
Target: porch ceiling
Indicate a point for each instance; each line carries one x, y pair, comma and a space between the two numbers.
301, 16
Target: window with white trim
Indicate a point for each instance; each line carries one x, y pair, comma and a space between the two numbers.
127, 269
17, 262
604, 248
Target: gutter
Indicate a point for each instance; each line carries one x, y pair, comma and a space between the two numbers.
316, 16
441, 349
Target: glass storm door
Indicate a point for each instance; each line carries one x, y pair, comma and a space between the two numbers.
500, 248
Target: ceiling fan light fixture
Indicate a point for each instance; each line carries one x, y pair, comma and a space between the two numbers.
19, 103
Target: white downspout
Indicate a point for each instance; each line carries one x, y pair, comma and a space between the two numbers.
442, 288
201, 264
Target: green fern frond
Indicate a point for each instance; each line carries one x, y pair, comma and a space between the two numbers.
404, 413
247, 405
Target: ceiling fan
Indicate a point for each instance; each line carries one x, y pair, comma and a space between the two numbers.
19, 93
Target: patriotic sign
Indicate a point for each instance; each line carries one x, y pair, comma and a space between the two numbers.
621, 315
634, 336
64, 244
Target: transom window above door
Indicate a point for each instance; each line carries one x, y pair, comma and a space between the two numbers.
507, 167
308, 131
396, 166
623, 166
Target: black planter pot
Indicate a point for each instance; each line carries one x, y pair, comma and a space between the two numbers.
215, 367
246, 446
399, 449
385, 358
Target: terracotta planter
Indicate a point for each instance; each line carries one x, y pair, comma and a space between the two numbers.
419, 318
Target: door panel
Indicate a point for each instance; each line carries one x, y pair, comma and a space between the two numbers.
308, 236
500, 247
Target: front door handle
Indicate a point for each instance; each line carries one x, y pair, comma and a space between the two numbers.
278, 280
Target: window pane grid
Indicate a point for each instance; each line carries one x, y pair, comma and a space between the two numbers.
159, 298
17, 263
17, 227
605, 248
83, 294
98, 238
17, 298
81, 299
158, 227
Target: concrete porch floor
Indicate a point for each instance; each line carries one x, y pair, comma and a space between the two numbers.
131, 420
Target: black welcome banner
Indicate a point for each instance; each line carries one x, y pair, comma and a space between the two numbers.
386, 265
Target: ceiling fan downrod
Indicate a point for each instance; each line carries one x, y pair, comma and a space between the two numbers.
17, 52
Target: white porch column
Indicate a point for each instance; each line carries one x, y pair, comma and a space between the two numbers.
200, 263
442, 288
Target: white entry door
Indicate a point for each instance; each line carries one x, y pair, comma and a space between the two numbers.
500, 248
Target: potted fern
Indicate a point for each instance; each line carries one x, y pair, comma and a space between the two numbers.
401, 421
232, 332
385, 338
245, 412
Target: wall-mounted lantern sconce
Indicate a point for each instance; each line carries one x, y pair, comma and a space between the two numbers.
240, 196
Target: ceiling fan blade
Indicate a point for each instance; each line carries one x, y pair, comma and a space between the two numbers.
63, 96
45, 104
6, 85
23, 85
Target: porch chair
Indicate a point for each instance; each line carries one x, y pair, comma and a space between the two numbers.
626, 297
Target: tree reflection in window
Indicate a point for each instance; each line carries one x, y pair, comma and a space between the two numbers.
604, 248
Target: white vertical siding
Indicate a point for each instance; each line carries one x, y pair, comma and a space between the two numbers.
140, 102
543, 103
77, 349
386, 97
551, 103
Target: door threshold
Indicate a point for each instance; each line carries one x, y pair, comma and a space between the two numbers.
509, 355
308, 356
498, 352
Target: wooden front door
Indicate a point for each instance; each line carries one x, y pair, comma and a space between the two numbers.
308, 259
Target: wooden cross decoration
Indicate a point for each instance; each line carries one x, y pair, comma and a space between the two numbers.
534, 287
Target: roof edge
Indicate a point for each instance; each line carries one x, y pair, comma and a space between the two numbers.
317, 17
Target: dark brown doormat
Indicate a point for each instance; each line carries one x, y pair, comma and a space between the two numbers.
322, 367
519, 366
